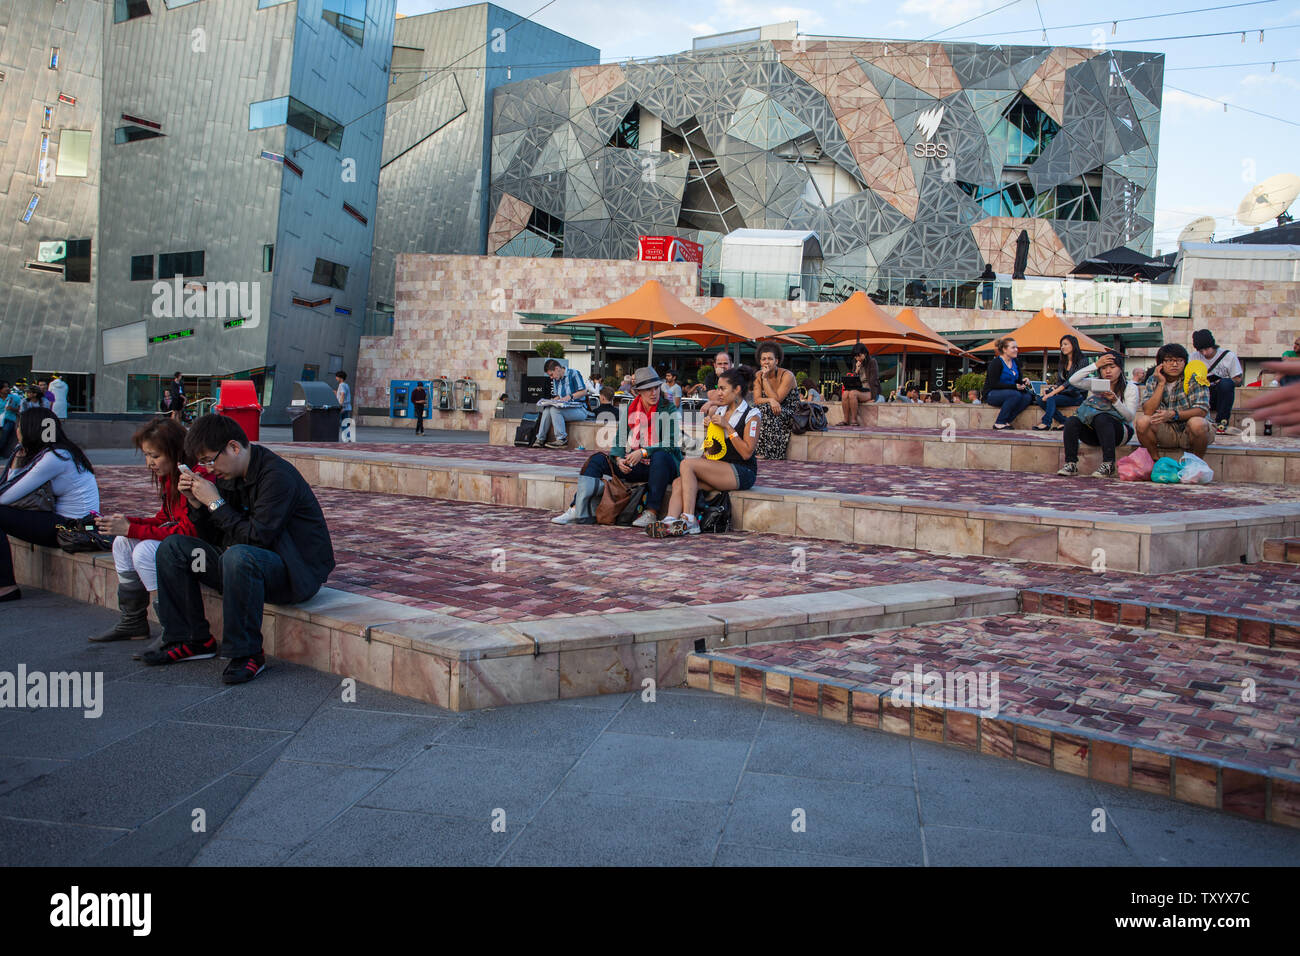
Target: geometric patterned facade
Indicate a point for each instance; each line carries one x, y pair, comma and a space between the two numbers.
905, 158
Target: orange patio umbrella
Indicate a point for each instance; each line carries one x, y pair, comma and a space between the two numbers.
858, 319
1043, 333
741, 326
648, 310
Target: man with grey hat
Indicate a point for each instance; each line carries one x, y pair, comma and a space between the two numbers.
1224, 372
648, 449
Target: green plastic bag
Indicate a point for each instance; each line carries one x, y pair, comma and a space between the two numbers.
1166, 471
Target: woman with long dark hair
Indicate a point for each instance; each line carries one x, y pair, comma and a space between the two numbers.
162, 442
777, 398
45, 456
1062, 394
730, 461
861, 383
1106, 416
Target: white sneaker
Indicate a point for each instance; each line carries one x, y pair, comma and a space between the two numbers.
569, 517
692, 524
645, 519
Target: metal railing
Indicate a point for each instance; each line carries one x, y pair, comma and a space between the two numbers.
1116, 297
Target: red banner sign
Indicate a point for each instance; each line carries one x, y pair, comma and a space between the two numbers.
670, 249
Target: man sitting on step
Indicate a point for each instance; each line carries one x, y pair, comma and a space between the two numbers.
261, 537
1173, 415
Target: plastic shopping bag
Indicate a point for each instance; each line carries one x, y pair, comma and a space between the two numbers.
1165, 472
1194, 471
1135, 467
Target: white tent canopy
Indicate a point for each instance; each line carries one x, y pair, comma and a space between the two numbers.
771, 251
1236, 260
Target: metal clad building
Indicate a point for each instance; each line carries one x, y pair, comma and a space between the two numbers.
191, 97
437, 153
905, 157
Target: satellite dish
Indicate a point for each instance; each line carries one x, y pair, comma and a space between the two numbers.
1198, 230
1268, 199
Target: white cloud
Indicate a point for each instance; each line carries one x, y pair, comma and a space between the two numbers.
1178, 98
1270, 80
945, 13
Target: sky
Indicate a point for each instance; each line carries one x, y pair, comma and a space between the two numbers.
1208, 157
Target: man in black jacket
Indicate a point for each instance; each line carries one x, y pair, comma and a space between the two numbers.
262, 537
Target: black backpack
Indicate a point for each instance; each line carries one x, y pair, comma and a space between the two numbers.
526, 430
714, 513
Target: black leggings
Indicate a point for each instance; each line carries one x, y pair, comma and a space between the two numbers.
1104, 430
36, 527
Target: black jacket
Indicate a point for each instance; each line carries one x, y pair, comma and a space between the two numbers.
993, 376
272, 507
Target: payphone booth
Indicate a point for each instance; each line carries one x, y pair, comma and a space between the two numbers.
466, 395
399, 397
441, 394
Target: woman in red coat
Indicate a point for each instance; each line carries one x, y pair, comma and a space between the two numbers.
137, 538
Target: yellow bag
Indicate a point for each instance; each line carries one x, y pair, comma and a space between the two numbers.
1195, 370
715, 442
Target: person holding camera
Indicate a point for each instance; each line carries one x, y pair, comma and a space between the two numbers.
1005, 385
1105, 417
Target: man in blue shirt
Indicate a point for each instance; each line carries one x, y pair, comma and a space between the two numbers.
10, 402
566, 404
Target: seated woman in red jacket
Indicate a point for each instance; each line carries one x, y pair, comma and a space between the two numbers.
162, 441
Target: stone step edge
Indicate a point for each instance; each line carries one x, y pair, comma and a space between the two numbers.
372, 640
1211, 783
1154, 523
1281, 550
1168, 619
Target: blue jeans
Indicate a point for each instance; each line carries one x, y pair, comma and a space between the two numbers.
1060, 400
246, 577
658, 474
554, 420
1223, 394
1012, 401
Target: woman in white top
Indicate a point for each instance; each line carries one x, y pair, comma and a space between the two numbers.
44, 454
1106, 416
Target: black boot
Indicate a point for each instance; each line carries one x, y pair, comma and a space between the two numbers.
155, 644
133, 602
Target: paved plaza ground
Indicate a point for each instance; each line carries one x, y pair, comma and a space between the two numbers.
288, 773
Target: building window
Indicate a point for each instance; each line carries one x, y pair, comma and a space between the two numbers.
316, 125
268, 113
124, 343
355, 214
347, 16
1025, 130
628, 132
74, 153
185, 264
43, 161
47, 121
263, 4
309, 373
76, 268
142, 268
143, 393
550, 228
173, 4
312, 303
54, 58
133, 134
330, 273
286, 109
268, 257
124, 10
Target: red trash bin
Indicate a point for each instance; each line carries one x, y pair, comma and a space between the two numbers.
238, 400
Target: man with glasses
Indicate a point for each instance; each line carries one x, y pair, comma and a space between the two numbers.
261, 537
1170, 415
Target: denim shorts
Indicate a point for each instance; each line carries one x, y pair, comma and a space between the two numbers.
745, 476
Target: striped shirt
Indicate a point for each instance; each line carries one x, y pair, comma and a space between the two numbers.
564, 388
